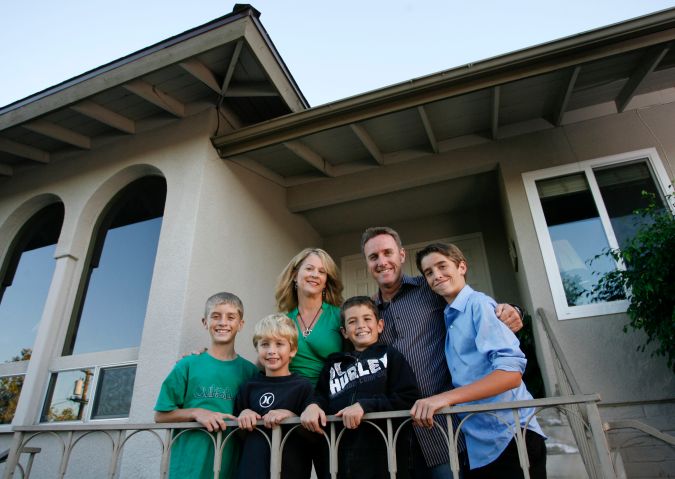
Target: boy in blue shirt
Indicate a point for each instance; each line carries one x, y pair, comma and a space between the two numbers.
202, 388
486, 365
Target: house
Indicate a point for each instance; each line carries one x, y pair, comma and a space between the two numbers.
196, 165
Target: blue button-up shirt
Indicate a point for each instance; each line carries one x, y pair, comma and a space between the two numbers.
476, 344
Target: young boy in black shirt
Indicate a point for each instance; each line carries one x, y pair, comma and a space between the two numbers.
374, 377
272, 397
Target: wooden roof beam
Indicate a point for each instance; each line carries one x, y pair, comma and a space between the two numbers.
494, 117
23, 151
560, 109
105, 116
310, 156
230, 69
368, 142
427, 127
649, 63
59, 133
251, 89
202, 73
157, 97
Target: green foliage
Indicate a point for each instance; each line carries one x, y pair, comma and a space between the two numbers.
649, 279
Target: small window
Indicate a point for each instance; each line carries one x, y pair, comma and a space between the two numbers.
10, 389
113, 392
68, 396
582, 210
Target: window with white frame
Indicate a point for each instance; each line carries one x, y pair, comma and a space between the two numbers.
580, 210
25, 276
94, 376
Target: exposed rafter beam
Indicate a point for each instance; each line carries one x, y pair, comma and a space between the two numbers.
59, 133
157, 97
23, 151
494, 117
368, 142
310, 156
202, 73
105, 116
251, 89
259, 169
649, 63
6, 170
233, 63
427, 127
565, 97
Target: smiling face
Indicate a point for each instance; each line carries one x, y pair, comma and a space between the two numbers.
223, 323
361, 326
311, 276
444, 276
384, 259
275, 354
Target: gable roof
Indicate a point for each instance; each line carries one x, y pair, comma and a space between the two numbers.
229, 62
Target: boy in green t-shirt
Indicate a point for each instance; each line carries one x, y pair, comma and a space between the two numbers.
202, 388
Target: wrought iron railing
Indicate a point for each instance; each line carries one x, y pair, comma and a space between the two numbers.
390, 425
591, 441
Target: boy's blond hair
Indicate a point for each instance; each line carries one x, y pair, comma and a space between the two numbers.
276, 325
223, 298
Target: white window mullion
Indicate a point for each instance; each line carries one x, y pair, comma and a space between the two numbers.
602, 210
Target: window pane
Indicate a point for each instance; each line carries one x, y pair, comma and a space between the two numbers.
67, 396
23, 302
621, 188
10, 388
113, 392
117, 297
576, 233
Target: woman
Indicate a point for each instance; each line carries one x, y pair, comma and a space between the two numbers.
309, 290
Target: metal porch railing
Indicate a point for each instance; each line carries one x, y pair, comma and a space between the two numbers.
67, 437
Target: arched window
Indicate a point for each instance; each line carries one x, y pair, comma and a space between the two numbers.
25, 277
101, 346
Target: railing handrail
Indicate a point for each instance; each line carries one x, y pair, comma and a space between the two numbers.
118, 432
640, 426
119, 426
576, 390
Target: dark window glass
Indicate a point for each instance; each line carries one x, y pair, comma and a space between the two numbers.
10, 388
113, 392
25, 276
114, 293
67, 396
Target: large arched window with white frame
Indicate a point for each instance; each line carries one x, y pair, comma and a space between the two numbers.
582, 209
94, 376
25, 277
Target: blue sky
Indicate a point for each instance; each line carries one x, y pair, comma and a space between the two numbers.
333, 49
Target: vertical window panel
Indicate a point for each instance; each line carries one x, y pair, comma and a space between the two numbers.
113, 392
68, 395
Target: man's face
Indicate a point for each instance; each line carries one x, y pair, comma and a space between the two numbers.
384, 259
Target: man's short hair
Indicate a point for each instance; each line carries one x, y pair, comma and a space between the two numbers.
223, 298
450, 251
276, 325
358, 301
374, 231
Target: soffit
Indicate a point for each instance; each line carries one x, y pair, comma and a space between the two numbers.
535, 89
229, 63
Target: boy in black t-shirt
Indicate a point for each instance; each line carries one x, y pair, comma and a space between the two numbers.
374, 377
272, 397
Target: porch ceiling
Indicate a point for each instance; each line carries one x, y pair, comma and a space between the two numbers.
611, 69
229, 62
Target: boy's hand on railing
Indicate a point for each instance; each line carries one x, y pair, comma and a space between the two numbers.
313, 418
211, 420
247, 419
351, 415
275, 416
423, 410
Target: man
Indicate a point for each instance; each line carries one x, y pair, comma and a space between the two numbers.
413, 324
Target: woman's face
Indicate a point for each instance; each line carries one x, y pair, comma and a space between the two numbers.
311, 277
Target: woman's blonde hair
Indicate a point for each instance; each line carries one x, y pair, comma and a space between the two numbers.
276, 325
285, 291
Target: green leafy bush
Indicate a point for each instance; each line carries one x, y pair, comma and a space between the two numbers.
648, 279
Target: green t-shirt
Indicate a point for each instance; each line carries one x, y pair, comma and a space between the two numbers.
205, 382
324, 340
